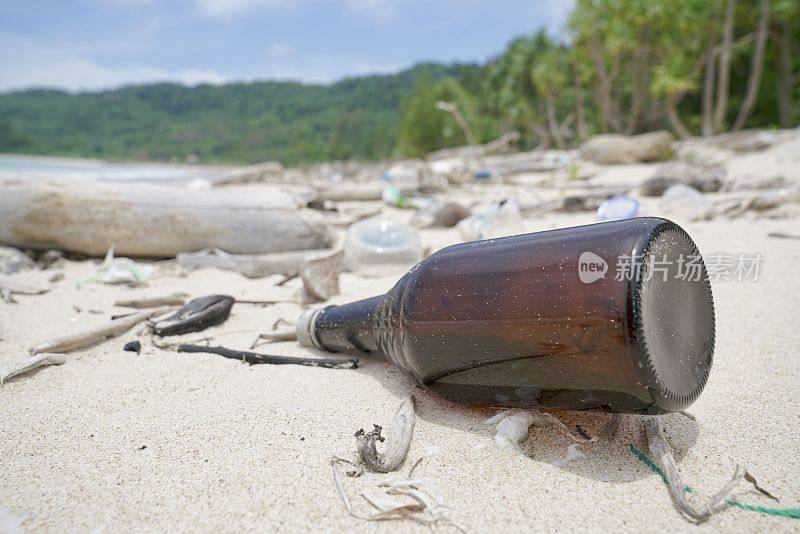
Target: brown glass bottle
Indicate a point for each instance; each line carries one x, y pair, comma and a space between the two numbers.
532, 320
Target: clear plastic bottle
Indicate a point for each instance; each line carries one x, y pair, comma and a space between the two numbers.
378, 247
499, 219
685, 203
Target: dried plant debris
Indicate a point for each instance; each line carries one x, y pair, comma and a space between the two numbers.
29, 364
195, 316
397, 440
321, 276
611, 428
783, 235
513, 425
176, 299
398, 498
254, 358
698, 512
111, 329
286, 333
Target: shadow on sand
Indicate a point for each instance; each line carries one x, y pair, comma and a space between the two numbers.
609, 459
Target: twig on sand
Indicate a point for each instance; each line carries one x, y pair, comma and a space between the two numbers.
277, 335
176, 299
287, 278
267, 301
337, 479
162, 343
29, 364
254, 358
398, 439
701, 512
565, 430
13, 287
97, 334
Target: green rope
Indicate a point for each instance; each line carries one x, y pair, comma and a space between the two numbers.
792, 513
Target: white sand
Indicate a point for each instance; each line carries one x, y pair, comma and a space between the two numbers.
231, 447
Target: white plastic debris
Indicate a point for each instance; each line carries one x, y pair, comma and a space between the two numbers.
377, 247
686, 203
119, 271
513, 429
498, 220
618, 208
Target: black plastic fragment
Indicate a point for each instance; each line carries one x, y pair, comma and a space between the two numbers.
133, 346
195, 316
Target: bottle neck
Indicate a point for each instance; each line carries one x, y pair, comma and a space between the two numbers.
343, 328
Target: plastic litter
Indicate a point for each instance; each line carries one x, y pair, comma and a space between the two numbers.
119, 271
617, 208
499, 219
683, 202
440, 214
197, 315
393, 196
381, 246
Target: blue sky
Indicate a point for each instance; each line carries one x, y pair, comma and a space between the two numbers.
97, 44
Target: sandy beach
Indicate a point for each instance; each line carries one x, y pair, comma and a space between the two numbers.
113, 441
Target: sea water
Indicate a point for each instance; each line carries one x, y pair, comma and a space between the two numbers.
50, 168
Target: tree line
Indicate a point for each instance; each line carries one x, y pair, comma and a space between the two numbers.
697, 67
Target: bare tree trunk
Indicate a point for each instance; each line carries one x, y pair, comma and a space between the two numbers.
616, 102
675, 120
723, 79
756, 67
708, 92
784, 70
543, 135
640, 79
579, 111
552, 121
607, 119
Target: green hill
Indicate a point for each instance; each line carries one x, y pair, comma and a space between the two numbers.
356, 118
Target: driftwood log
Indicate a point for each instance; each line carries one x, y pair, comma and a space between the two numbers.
250, 265
157, 221
506, 144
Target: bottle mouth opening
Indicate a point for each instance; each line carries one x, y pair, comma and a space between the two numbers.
306, 329
673, 318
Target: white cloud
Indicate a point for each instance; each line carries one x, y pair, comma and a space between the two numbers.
226, 9
279, 50
230, 9
320, 69
128, 3
26, 64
